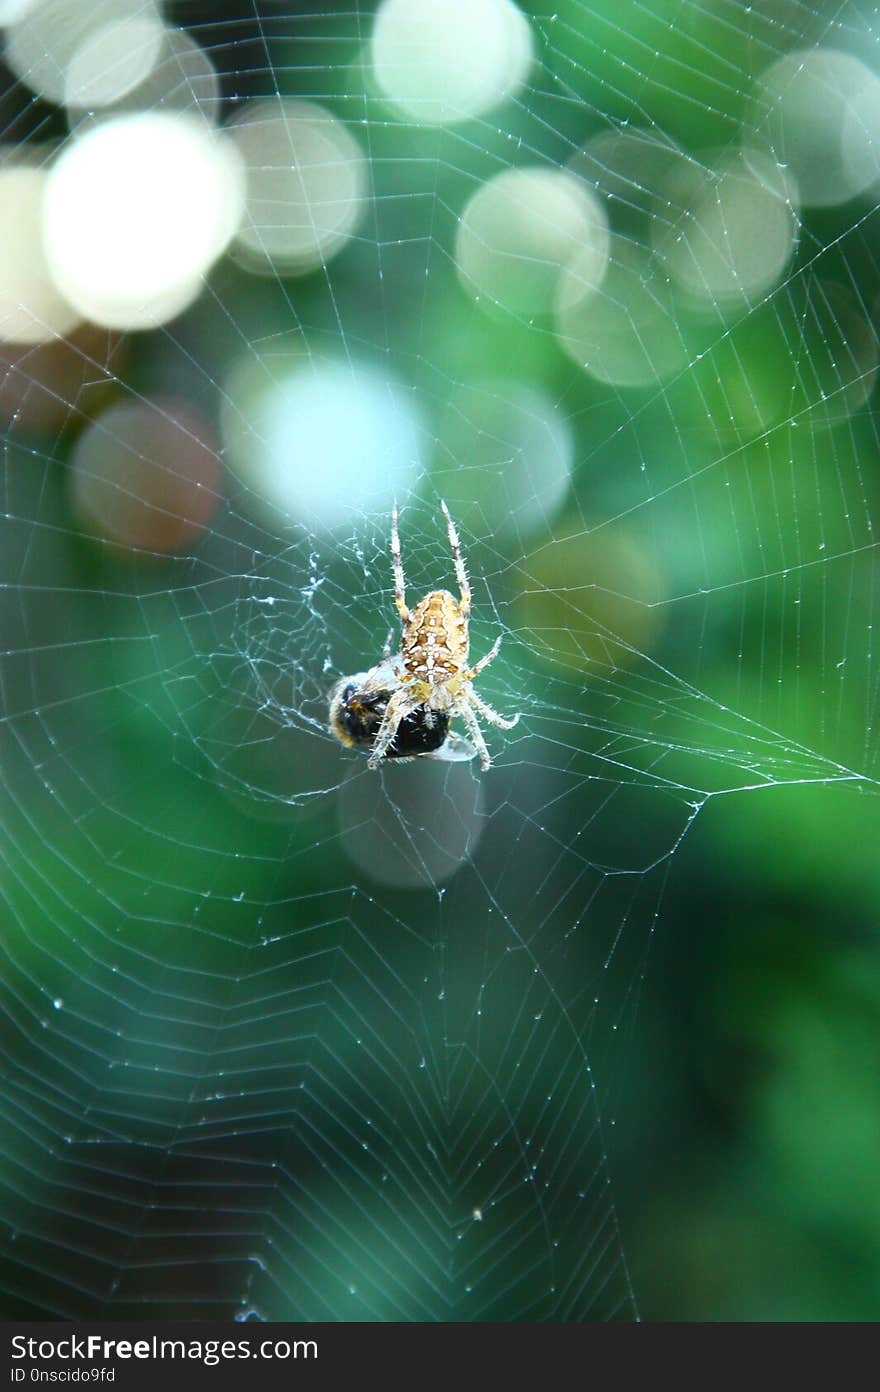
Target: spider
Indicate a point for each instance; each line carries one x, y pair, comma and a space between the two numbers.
431, 671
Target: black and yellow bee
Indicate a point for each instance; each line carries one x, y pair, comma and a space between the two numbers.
357, 708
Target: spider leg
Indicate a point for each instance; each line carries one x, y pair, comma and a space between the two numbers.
465, 710
484, 661
399, 707
487, 712
460, 572
386, 651
397, 567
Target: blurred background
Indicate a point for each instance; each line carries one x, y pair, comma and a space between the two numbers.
595, 1034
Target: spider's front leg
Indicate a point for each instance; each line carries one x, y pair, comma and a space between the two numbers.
484, 661
489, 713
402, 703
397, 569
458, 562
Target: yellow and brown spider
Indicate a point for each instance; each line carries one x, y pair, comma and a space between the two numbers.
431, 671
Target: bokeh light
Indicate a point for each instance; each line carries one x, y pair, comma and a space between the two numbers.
137, 211
182, 78
625, 330
818, 112
505, 456
306, 180
112, 61
431, 73
11, 10
321, 443
43, 40
46, 388
630, 167
386, 833
591, 600
520, 228
32, 308
146, 474
735, 232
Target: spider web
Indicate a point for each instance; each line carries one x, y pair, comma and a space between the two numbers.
284, 1039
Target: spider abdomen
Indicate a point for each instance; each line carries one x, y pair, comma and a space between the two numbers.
434, 646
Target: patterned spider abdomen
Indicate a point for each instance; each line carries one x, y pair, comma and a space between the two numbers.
434, 645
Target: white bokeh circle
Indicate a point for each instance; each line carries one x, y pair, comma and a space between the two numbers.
32, 308
423, 65
320, 443
520, 229
137, 211
817, 111
306, 182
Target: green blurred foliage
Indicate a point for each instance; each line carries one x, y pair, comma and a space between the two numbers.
716, 637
